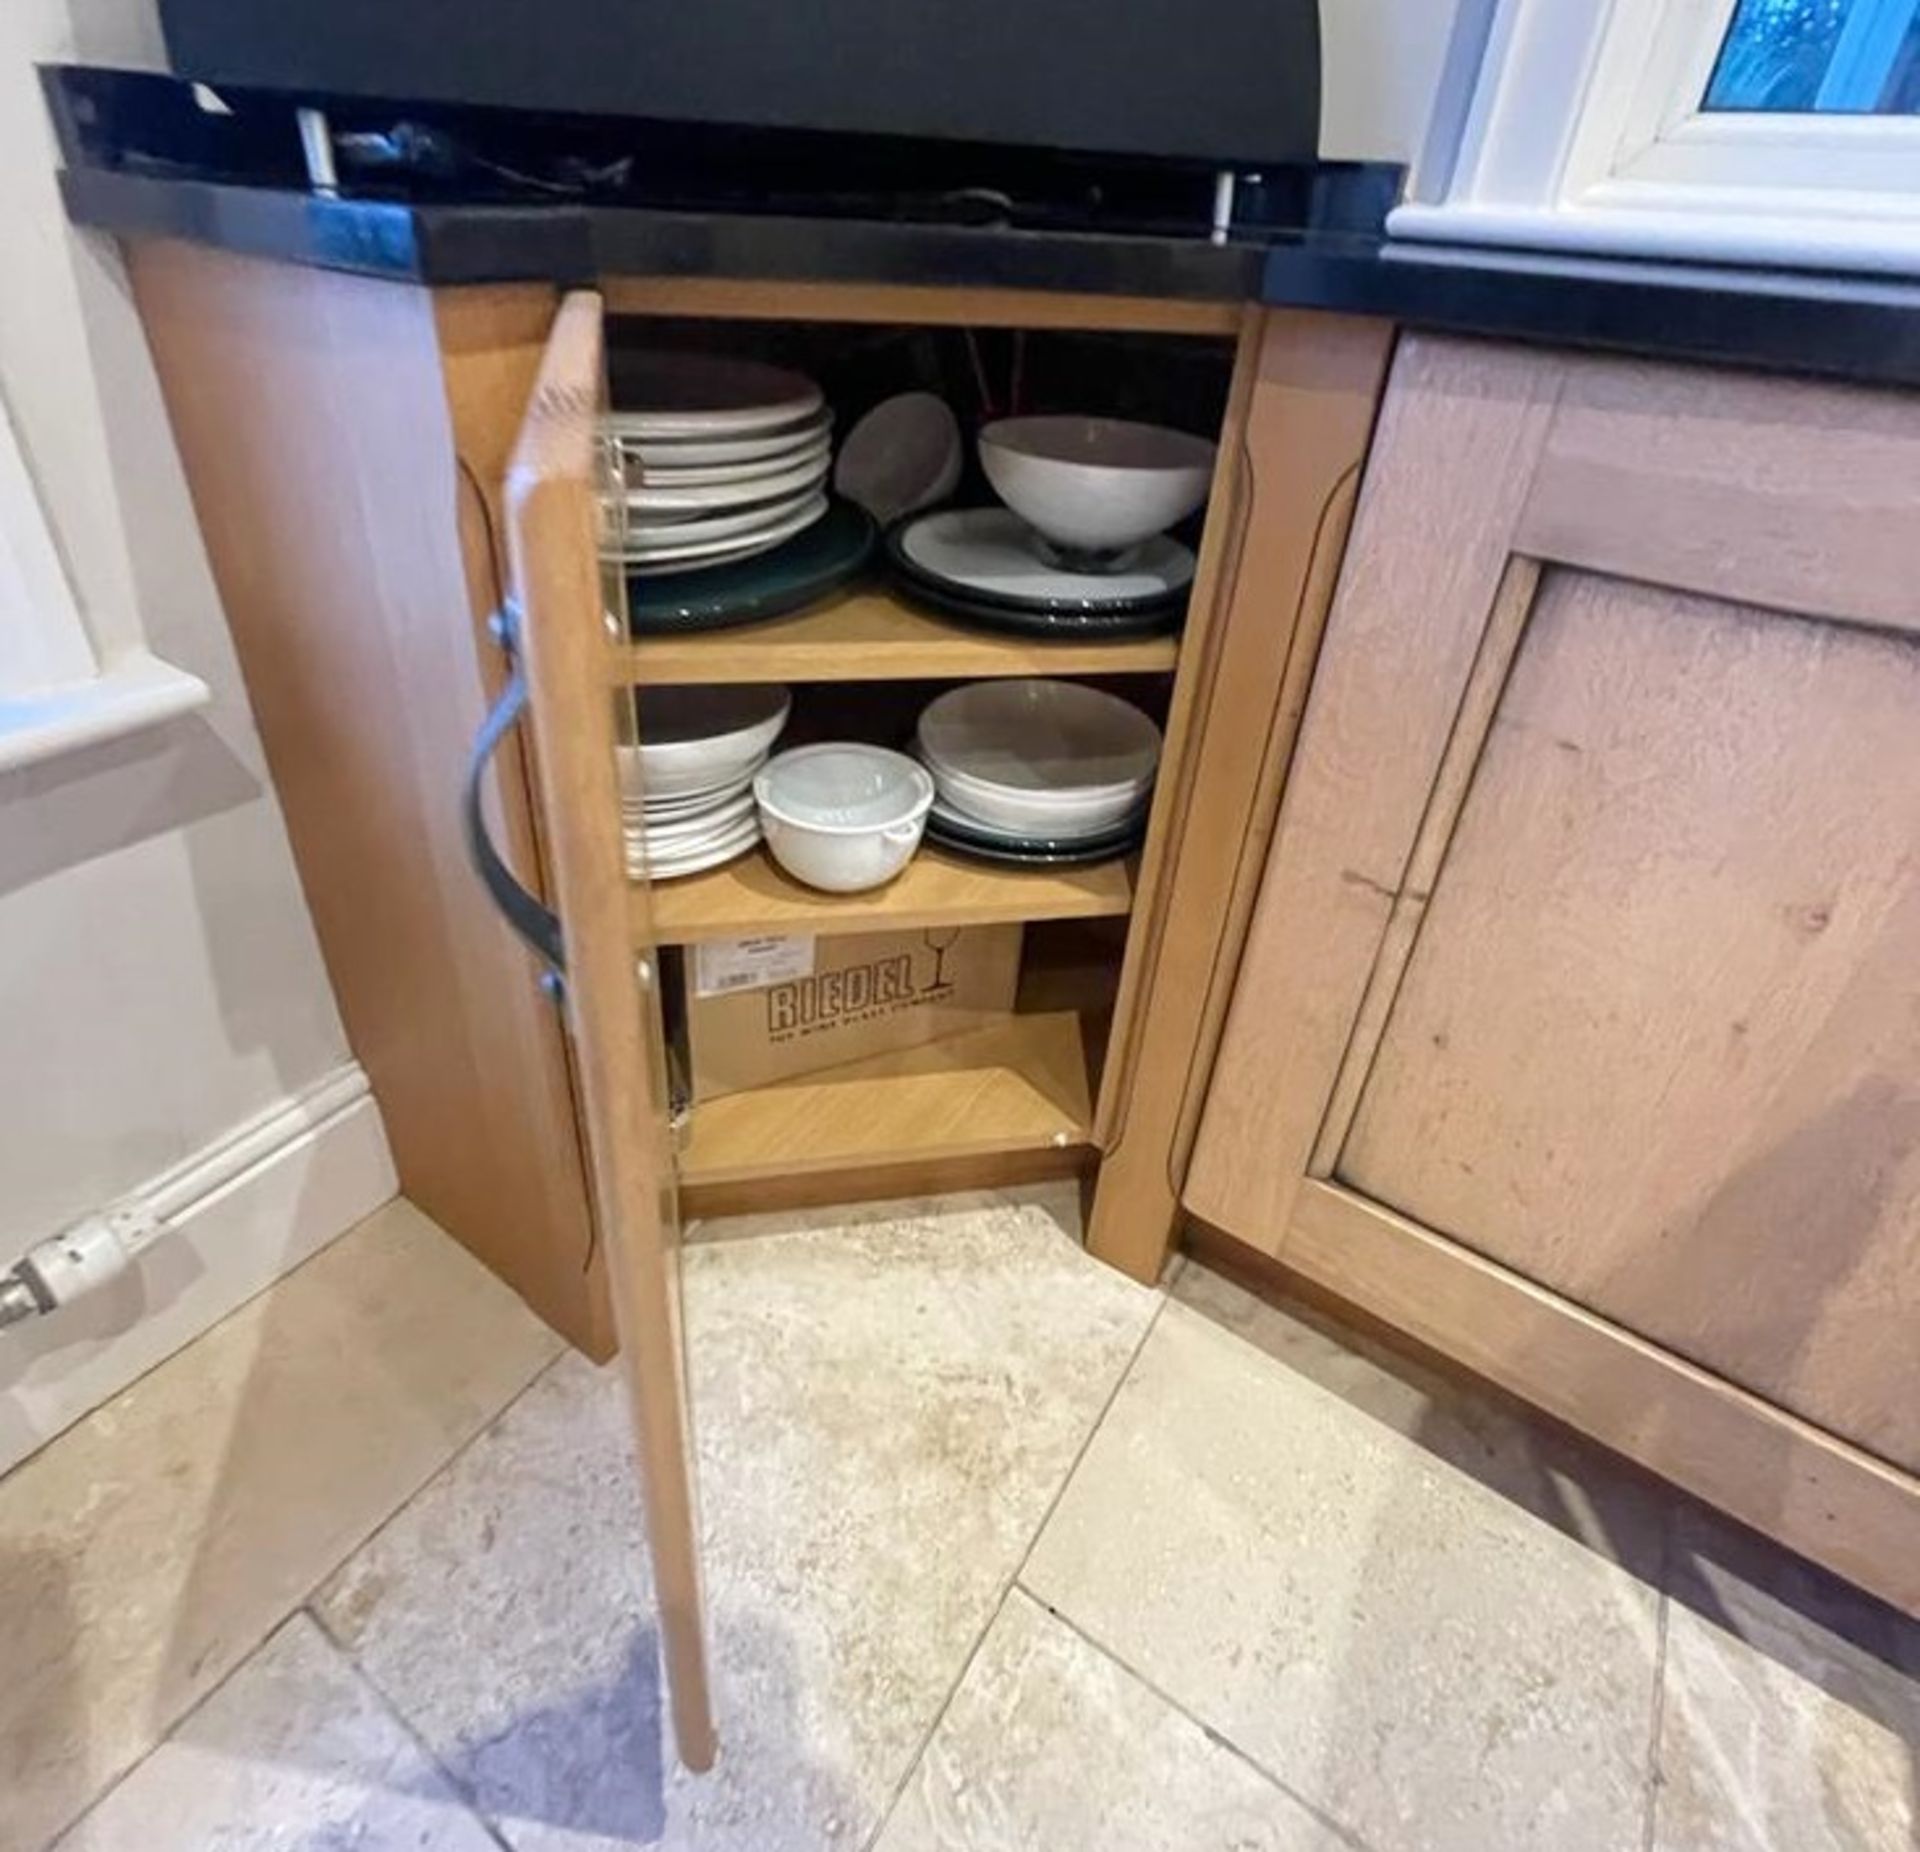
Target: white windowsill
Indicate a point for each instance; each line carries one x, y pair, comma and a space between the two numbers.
136, 691
1873, 246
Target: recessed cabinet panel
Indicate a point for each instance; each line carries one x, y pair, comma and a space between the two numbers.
1657, 1045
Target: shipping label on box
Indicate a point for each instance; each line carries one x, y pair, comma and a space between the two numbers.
765, 1009
723, 965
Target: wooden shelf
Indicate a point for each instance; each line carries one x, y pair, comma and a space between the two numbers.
934, 889
868, 635
1016, 1085
916, 305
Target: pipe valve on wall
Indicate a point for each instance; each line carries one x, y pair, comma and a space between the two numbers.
87, 1255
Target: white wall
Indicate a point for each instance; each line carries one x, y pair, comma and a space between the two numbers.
1380, 63
159, 979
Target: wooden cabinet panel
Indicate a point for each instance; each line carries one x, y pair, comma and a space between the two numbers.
1458, 443
321, 419
1305, 394
1579, 1022
1658, 1043
556, 581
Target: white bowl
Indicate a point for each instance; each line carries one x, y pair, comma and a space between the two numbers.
1040, 757
843, 817
903, 455
1052, 814
1096, 485
700, 737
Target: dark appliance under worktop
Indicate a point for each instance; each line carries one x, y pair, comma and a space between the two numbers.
1231, 83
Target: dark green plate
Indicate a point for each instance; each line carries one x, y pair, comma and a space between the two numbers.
1044, 626
1064, 855
1061, 621
815, 561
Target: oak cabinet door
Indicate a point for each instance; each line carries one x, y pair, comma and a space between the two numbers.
1589, 945
562, 598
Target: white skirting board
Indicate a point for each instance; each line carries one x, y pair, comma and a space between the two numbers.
238, 1214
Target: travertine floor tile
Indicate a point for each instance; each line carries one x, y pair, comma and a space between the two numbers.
1791, 1712
1560, 1478
1430, 1664
507, 1614
882, 1414
292, 1751
1057, 1199
149, 1549
1050, 1746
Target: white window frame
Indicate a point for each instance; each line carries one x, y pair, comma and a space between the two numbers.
1580, 127
56, 695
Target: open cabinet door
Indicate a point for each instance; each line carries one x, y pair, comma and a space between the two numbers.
561, 602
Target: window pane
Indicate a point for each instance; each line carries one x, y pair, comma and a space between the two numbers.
1825, 56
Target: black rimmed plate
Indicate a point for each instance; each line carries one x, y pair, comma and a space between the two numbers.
990, 555
976, 565
817, 560
1034, 851
1041, 626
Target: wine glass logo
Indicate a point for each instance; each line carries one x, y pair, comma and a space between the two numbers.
940, 944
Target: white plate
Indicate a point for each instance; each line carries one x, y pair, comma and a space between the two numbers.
664, 810
706, 395
645, 535
686, 842
1072, 831
650, 560
661, 868
644, 455
671, 502
685, 831
812, 448
903, 455
991, 550
649, 822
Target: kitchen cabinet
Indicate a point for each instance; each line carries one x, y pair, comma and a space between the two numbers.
382, 470
1577, 1028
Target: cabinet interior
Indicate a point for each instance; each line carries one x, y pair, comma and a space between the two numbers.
1021, 1095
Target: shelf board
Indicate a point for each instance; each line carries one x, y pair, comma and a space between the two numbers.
868, 635
1019, 1084
916, 305
934, 889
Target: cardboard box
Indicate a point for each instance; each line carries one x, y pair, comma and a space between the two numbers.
764, 1009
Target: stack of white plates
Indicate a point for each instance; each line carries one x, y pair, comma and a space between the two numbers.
714, 459
1032, 770
686, 791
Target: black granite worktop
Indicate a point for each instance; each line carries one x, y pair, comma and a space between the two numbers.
1851, 327
490, 243
1317, 243
1848, 327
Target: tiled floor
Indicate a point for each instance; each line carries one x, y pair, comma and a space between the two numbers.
1003, 1552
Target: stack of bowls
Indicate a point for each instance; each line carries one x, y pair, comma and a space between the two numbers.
714, 459
1038, 772
686, 791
